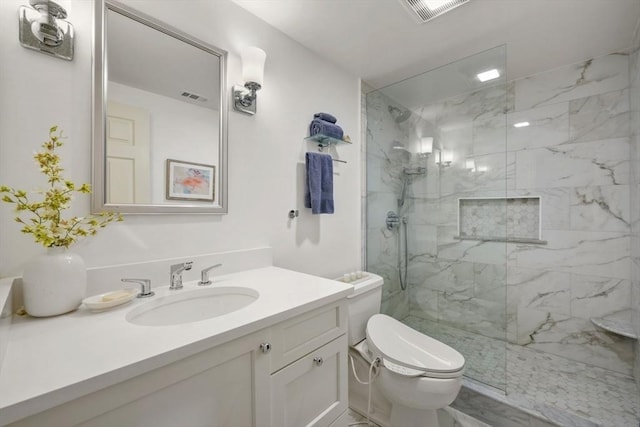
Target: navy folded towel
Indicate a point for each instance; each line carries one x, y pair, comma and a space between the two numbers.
318, 194
326, 117
328, 129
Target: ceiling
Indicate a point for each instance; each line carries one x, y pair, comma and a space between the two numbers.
142, 57
380, 42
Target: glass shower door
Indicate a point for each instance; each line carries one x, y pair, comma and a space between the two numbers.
436, 207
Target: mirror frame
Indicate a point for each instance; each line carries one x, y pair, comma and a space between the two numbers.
100, 80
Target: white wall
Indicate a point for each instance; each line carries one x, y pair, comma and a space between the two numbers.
266, 151
179, 130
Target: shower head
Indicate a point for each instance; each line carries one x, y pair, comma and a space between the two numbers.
399, 115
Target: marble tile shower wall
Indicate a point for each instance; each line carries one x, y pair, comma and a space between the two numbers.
634, 97
460, 283
574, 155
383, 168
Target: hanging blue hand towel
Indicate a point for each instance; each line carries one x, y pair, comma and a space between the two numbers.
318, 193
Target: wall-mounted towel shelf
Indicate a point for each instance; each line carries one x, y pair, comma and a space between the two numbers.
324, 140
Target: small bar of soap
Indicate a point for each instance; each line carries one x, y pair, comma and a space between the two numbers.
115, 295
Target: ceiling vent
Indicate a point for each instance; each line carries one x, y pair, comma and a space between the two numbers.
426, 10
194, 96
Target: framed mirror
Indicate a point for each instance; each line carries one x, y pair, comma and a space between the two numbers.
159, 119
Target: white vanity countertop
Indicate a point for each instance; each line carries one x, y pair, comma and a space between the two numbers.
54, 360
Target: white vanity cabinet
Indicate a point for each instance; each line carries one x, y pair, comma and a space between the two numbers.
290, 374
227, 385
313, 390
309, 365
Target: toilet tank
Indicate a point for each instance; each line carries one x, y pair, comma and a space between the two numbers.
363, 303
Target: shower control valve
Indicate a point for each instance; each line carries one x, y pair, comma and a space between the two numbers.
393, 220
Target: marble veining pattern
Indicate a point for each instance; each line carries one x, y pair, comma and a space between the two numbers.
561, 390
548, 127
601, 208
574, 156
634, 71
603, 162
603, 254
599, 75
597, 117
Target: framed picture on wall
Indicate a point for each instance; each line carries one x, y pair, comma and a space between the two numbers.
190, 181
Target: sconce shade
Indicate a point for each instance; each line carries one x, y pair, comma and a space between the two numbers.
426, 144
245, 97
253, 59
447, 156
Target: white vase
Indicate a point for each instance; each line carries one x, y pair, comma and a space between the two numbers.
54, 283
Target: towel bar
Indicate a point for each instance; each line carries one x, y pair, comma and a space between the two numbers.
320, 147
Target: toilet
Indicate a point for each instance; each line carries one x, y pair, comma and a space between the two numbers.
416, 374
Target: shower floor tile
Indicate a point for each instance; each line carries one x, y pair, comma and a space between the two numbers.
542, 383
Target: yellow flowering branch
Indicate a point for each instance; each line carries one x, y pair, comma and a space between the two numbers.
47, 224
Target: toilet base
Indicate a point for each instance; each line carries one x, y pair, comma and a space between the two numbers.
403, 416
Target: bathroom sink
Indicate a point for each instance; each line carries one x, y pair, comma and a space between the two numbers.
191, 306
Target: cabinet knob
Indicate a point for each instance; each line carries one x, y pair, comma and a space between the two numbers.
265, 347
318, 361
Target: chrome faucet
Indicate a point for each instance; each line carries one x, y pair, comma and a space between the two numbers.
145, 287
204, 275
176, 274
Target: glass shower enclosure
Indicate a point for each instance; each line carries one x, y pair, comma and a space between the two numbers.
436, 206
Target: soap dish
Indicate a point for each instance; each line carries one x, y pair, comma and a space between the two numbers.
103, 302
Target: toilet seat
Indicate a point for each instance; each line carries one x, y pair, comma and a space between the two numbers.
407, 352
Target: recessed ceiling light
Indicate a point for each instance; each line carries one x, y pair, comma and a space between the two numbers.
488, 75
426, 10
521, 125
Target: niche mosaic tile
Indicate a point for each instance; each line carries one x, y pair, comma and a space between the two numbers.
512, 219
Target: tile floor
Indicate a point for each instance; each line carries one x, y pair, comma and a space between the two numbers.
544, 383
447, 417
350, 419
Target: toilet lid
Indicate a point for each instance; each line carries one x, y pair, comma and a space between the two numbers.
408, 352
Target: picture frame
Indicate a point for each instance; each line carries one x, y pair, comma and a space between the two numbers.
190, 181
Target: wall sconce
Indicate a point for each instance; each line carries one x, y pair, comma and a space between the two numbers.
426, 146
43, 28
444, 158
244, 97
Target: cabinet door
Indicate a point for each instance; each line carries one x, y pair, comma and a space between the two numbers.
299, 336
313, 390
227, 386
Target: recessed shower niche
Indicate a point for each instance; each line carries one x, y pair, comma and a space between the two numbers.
511, 219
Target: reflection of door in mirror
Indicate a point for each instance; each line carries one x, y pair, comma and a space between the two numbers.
127, 154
